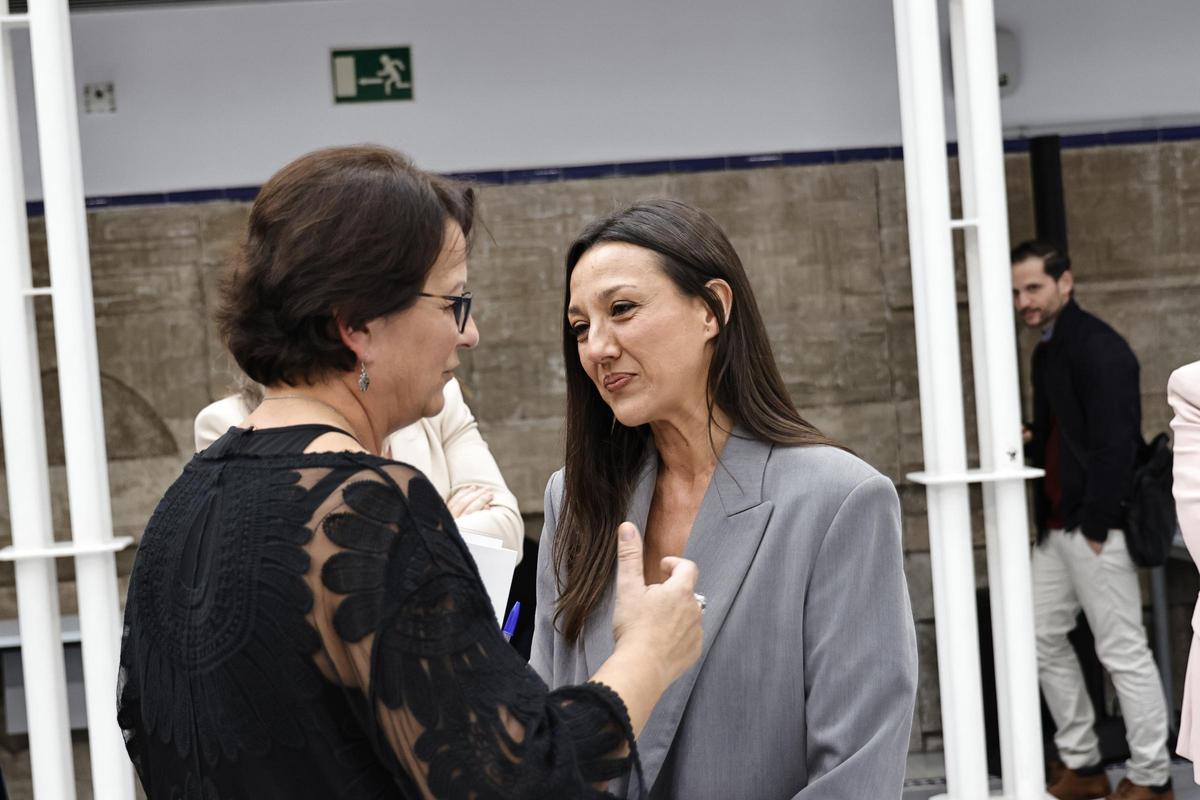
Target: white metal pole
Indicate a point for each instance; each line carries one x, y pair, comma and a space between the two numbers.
26, 470
997, 392
79, 379
935, 310
983, 390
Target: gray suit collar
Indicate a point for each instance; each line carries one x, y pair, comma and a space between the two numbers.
724, 539
739, 473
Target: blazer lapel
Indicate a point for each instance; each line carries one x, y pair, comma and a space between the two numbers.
723, 542
597, 630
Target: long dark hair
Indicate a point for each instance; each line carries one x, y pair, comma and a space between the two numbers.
602, 455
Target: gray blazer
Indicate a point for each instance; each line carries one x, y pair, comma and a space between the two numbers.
807, 679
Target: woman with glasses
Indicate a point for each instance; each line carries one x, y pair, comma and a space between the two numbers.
302, 618
678, 419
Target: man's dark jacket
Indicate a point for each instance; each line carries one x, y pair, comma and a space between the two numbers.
1086, 377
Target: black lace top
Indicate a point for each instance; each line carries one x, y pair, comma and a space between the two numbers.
312, 626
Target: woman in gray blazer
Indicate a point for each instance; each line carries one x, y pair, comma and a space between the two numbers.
678, 420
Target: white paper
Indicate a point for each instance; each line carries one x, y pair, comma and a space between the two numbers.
496, 565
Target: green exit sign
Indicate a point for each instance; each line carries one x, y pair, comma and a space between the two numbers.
372, 76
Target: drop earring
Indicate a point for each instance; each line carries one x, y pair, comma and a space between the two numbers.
364, 380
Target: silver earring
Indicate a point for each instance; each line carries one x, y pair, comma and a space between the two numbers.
364, 380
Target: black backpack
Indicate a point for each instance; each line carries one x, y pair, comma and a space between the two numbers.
1150, 511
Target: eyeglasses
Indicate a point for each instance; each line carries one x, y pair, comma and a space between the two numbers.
461, 306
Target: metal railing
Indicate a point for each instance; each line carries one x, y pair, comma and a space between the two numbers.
1001, 473
34, 551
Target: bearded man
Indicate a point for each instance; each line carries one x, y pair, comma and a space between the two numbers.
1086, 433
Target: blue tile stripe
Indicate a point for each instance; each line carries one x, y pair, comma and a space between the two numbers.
753, 162
676, 166
811, 157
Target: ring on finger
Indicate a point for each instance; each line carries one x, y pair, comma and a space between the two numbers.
701, 600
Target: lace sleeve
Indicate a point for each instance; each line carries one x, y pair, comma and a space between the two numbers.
410, 633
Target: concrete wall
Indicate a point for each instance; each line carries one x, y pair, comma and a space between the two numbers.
222, 95
826, 249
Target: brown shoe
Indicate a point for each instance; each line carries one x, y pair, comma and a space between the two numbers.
1127, 790
1073, 786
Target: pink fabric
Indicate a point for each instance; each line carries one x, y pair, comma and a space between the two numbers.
1183, 393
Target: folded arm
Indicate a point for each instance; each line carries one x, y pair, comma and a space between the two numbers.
471, 463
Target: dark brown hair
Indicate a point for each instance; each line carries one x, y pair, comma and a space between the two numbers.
345, 233
602, 455
1054, 260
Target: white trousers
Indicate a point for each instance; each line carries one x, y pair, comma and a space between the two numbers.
1068, 576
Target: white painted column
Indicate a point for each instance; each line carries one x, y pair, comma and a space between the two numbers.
939, 374
997, 393
79, 381
26, 471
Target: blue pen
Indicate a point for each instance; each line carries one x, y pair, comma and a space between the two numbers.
510, 622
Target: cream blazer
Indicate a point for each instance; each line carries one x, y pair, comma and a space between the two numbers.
446, 447
1183, 393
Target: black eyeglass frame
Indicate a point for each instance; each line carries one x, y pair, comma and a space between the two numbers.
461, 308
